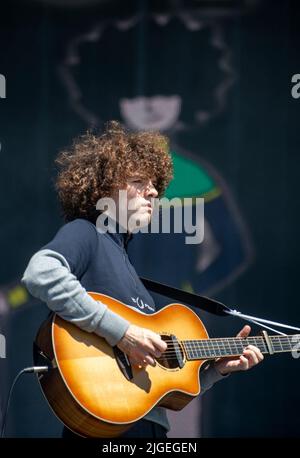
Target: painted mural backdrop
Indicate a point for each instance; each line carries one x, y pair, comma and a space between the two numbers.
175, 68
174, 73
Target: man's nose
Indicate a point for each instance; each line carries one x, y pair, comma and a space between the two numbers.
151, 191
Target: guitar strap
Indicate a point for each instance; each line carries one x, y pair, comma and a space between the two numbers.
210, 305
195, 300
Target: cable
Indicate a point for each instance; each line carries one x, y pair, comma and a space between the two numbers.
26, 370
260, 321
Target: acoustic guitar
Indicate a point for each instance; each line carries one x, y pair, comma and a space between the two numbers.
95, 391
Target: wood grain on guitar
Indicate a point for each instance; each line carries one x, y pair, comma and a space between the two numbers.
94, 390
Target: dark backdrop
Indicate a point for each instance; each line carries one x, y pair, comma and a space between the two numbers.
250, 138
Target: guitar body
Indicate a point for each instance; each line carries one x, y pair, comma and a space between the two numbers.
88, 389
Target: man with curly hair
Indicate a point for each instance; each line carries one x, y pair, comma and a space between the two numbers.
82, 258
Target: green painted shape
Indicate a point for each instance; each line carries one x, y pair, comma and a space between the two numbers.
190, 179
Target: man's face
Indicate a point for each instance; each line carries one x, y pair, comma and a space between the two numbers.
137, 207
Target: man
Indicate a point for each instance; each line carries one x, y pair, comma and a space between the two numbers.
81, 258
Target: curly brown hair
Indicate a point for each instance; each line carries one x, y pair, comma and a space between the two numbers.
97, 165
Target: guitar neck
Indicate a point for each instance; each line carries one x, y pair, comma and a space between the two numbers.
234, 346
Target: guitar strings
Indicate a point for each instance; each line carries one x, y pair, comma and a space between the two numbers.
213, 346
236, 339
215, 349
218, 349
217, 346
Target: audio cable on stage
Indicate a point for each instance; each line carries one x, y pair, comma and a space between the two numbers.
26, 370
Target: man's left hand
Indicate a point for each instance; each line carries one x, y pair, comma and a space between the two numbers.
251, 357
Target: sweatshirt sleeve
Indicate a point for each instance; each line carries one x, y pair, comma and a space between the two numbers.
209, 376
48, 277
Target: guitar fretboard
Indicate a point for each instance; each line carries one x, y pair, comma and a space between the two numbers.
234, 346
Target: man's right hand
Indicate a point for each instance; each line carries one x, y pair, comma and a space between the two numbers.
142, 346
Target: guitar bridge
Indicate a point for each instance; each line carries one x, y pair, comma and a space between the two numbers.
123, 363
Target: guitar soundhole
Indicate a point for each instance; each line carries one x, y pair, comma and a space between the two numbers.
173, 357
